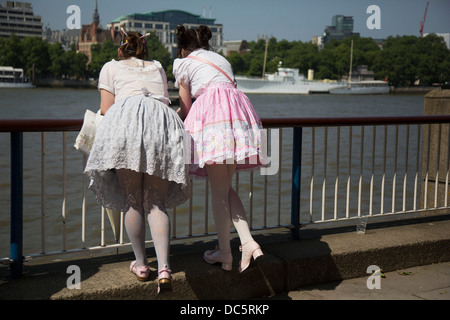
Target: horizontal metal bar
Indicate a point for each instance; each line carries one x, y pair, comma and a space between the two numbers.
352, 121
49, 125
40, 125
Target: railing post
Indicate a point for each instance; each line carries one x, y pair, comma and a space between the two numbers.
296, 180
16, 244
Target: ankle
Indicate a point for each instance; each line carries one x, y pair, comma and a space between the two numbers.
224, 251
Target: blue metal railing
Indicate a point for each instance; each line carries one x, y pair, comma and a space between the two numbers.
296, 179
17, 127
16, 251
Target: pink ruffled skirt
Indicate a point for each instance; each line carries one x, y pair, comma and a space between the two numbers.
224, 128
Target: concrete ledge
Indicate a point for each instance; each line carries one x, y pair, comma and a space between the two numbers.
287, 265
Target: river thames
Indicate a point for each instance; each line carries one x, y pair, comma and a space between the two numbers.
71, 104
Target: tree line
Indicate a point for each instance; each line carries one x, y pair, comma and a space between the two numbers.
50, 60
44, 59
402, 60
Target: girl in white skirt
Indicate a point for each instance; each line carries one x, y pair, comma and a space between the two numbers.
136, 164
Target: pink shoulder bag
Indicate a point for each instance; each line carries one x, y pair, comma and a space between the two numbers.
213, 65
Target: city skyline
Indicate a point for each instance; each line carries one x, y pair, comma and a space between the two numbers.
291, 20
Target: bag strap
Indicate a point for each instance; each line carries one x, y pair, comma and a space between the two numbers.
213, 65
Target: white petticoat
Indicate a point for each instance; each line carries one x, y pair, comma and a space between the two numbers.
145, 135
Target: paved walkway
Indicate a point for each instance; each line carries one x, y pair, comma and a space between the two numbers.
429, 282
414, 258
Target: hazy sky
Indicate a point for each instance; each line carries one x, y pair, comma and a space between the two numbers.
283, 19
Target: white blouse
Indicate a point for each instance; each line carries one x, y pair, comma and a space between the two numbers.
133, 77
198, 74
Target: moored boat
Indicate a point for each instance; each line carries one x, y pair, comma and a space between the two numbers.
363, 87
286, 81
12, 78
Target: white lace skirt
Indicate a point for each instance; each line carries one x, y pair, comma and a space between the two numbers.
144, 135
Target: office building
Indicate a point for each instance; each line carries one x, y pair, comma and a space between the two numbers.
18, 18
163, 23
341, 28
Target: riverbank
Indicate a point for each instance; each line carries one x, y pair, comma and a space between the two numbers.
72, 84
413, 89
75, 84
92, 84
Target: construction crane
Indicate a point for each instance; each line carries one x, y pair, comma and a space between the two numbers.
423, 22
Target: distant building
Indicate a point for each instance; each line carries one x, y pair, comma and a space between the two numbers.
92, 34
239, 46
164, 23
318, 41
18, 18
66, 37
341, 28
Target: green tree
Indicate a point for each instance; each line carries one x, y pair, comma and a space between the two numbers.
433, 55
303, 56
75, 64
101, 54
37, 57
398, 60
156, 51
56, 53
364, 52
238, 63
11, 52
326, 68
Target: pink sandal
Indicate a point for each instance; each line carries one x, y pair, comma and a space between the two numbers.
142, 272
219, 256
164, 279
249, 250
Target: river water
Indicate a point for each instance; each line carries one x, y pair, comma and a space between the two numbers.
72, 103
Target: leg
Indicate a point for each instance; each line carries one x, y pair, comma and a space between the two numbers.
155, 190
220, 187
249, 247
131, 183
238, 215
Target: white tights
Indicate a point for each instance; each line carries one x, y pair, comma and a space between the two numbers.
146, 196
227, 205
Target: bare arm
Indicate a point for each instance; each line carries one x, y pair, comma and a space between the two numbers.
107, 99
185, 99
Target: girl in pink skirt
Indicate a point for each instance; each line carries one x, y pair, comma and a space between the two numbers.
226, 137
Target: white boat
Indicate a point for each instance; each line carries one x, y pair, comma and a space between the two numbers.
12, 78
363, 87
286, 81
290, 81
